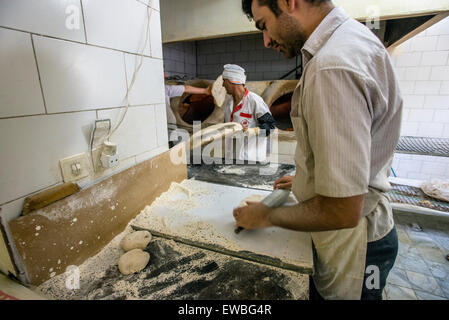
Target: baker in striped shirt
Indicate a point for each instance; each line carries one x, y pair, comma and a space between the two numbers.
346, 112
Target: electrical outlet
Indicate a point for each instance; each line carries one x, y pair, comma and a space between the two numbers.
109, 161
75, 167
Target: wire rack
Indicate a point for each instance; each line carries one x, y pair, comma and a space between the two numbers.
424, 146
415, 196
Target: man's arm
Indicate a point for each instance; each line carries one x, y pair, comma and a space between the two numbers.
315, 215
195, 90
266, 122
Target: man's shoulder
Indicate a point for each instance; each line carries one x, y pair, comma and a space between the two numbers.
352, 48
254, 96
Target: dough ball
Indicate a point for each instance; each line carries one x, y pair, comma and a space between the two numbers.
136, 240
133, 261
251, 198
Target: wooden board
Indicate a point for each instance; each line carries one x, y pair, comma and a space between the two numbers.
73, 229
208, 223
47, 197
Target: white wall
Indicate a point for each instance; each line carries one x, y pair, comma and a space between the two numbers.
55, 81
422, 66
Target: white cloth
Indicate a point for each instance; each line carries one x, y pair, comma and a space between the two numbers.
172, 91
246, 113
234, 73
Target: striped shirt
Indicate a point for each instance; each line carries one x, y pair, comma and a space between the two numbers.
347, 111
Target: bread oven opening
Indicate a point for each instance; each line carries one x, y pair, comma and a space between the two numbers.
280, 109
196, 107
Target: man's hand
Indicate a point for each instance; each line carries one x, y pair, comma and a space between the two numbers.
254, 216
284, 183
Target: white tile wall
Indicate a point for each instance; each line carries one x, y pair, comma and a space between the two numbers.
138, 132
434, 58
148, 87
32, 147
79, 77
437, 102
420, 115
80, 81
418, 73
161, 120
431, 130
443, 42
12, 210
409, 59
439, 29
20, 92
156, 39
152, 3
414, 101
422, 65
440, 73
427, 87
444, 87
424, 43
117, 24
46, 17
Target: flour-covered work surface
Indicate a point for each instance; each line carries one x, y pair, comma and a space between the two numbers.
201, 212
177, 271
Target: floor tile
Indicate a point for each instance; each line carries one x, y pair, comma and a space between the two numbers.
444, 285
399, 293
427, 296
424, 283
403, 237
399, 277
419, 237
439, 270
412, 262
432, 253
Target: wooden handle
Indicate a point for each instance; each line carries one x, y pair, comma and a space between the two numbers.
47, 197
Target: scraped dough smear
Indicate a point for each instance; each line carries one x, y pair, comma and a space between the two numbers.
251, 198
133, 261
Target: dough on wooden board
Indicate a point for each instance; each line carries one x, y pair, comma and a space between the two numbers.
136, 240
251, 198
133, 261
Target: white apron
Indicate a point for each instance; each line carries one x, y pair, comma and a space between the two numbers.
248, 147
339, 256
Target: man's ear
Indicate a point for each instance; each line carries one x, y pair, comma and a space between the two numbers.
287, 5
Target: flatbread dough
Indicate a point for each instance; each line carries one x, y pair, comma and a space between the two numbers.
251, 198
219, 92
133, 261
214, 132
136, 240
437, 189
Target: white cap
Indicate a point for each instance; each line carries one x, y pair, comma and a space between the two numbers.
234, 73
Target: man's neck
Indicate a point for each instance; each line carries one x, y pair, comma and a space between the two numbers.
315, 16
238, 94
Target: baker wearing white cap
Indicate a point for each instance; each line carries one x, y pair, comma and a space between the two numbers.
248, 109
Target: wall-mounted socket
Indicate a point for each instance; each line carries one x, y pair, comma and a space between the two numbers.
75, 167
109, 161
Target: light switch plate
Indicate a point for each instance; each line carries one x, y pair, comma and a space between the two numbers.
66, 166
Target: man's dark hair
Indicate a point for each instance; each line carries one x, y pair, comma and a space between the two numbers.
272, 4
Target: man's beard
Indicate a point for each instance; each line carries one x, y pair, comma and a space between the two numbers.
291, 35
